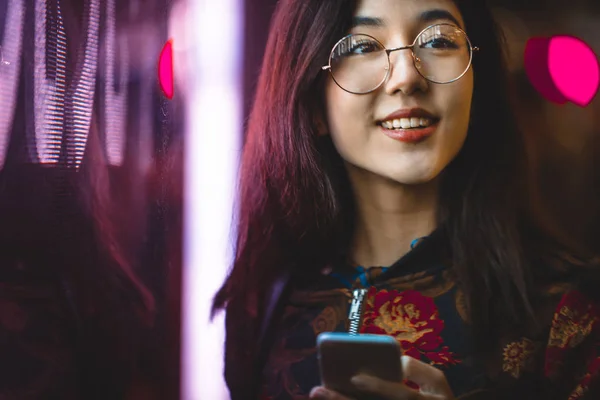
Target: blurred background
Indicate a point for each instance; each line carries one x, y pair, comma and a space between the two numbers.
563, 140
116, 202
90, 202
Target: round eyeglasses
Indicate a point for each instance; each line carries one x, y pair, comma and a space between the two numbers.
360, 64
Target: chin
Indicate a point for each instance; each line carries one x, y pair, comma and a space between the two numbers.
411, 179
401, 176
414, 176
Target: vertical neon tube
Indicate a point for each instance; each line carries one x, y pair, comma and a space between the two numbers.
212, 151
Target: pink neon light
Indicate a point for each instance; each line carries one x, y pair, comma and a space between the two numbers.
574, 69
563, 69
165, 70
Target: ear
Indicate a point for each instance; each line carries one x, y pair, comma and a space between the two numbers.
321, 125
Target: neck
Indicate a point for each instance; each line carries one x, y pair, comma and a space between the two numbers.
389, 217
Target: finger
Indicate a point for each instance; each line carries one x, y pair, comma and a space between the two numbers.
321, 393
429, 378
385, 389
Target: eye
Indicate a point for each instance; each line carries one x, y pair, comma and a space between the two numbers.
363, 47
439, 42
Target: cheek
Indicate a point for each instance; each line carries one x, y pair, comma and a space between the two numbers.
458, 110
339, 107
348, 115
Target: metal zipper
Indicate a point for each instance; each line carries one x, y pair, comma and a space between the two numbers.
356, 311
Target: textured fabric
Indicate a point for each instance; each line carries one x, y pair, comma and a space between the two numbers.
419, 302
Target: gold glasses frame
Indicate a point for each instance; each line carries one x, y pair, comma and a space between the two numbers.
389, 51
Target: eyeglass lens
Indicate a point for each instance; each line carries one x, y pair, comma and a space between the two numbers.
360, 64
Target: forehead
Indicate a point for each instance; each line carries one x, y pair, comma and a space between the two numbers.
406, 15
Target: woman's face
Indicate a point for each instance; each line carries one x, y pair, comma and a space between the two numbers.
360, 123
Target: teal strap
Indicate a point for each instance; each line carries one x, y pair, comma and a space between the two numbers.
415, 242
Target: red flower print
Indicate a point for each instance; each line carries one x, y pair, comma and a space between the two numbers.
575, 320
411, 318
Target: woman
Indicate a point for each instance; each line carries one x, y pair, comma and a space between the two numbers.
399, 174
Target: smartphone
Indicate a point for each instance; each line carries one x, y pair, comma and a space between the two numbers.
342, 356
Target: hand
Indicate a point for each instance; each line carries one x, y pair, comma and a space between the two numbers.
432, 385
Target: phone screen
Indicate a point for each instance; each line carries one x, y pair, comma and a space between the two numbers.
342, 356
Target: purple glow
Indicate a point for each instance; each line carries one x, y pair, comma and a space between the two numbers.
212, 152
10, 64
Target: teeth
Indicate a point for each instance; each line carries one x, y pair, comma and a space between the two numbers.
406, 123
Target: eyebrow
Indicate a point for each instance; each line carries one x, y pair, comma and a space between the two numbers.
426, 16
367, 21
438, 14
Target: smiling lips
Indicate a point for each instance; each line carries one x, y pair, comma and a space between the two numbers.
411, 126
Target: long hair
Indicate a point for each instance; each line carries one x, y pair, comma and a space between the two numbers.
295, 207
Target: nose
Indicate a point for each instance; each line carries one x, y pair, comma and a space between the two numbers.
403, 75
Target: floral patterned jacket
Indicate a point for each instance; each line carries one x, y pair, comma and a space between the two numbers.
418, 301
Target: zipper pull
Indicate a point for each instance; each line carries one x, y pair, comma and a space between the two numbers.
356, 311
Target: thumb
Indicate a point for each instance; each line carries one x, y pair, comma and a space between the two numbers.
430, 379
391, 390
